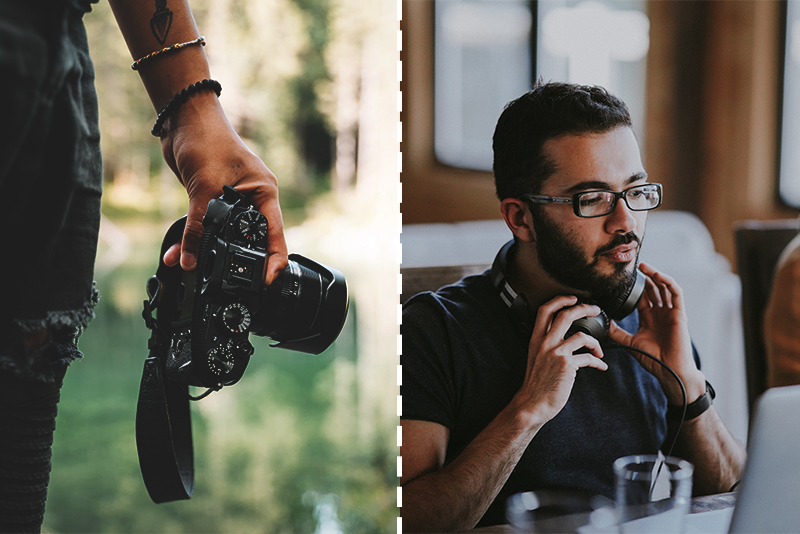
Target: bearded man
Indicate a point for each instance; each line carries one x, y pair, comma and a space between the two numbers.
500, 394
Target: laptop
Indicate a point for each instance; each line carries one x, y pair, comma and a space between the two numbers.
769, 494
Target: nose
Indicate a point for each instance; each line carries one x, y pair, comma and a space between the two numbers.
621, 220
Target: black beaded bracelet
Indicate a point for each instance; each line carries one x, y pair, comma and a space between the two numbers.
694, 409
181, 97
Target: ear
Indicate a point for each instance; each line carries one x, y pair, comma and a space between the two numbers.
518, 218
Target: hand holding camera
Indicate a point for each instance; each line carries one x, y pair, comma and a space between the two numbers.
203, 319
224, 300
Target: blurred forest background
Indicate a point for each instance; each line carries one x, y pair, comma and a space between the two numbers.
303, 443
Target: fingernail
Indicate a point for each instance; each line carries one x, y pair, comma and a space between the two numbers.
188, 261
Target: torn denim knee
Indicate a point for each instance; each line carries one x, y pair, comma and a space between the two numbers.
48, 361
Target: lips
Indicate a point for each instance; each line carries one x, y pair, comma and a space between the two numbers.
622, 253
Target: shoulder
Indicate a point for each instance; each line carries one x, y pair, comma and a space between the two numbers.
469, 292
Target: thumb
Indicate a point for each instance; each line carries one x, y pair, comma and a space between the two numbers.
190, 246
618, 335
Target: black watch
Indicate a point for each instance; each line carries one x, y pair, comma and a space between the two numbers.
694, 409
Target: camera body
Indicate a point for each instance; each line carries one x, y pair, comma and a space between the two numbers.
201, 326
225, 300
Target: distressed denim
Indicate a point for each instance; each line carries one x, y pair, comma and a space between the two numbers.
51, 182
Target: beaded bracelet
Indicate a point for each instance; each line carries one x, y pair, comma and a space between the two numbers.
181, 97
177, 46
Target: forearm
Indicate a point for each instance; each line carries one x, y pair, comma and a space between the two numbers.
456, 496
166, 74
197, 140
717, 456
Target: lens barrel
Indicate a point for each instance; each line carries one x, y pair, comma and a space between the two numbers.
304, 309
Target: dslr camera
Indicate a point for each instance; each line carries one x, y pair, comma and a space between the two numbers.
200, 324
224, 300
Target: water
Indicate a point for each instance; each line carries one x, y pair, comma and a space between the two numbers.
295, 424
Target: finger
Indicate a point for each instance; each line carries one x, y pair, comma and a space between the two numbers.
190, 246
589, 360
652, 292
566, 317
618, 335
672, 288
582, 340
278, 257
666, 294
661, 284
265, 200
547, 311
173, 255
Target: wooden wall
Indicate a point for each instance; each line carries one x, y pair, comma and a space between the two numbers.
713, 117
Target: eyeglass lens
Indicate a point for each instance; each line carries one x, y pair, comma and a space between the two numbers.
596, 203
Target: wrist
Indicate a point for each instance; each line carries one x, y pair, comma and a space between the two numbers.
166, 76
203, 107
527, 415
180, 99
695, 385
695, 408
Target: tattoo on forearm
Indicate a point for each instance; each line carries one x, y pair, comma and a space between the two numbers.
161, 21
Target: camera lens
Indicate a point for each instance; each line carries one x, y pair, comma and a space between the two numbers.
305, 307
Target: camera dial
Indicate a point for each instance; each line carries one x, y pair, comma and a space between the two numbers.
235, 317
251, 226
220, 359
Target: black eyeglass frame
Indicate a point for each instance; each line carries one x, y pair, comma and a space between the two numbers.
575, 199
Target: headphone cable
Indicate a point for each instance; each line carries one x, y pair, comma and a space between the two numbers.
684, 403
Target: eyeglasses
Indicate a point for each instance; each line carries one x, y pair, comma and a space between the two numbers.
598, 203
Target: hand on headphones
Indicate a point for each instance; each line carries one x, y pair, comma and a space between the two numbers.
664, 333
552, 360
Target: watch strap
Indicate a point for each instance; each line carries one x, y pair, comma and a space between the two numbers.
694, 409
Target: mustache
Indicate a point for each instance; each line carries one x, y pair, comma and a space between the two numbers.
619, 239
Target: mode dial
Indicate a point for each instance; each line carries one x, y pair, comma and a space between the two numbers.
251, 226
220, 360
235, 318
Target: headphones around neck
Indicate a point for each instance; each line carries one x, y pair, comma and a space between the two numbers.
596, 326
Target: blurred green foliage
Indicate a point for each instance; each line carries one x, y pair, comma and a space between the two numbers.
298, 431
271, 59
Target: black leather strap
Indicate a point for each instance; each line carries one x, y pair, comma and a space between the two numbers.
694, 409
163, 419
164, 435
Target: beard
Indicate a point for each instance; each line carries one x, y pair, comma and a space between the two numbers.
563, 261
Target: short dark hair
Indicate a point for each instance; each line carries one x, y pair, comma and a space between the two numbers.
548, 111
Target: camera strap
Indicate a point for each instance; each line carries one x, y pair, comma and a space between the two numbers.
164, 435
163, 419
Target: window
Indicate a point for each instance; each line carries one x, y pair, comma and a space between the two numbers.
487, 51
482, 61
789, 184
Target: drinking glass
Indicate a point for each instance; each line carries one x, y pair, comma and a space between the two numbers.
653, 493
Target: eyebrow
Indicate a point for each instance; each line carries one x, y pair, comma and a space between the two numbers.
597, 184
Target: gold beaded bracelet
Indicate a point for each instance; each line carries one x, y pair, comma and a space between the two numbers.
177, 46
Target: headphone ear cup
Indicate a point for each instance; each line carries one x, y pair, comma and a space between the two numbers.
632, 299
521, 312
596, 326
517, 304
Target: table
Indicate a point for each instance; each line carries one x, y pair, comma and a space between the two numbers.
706, 503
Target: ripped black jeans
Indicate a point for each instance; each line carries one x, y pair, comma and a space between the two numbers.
50, 188
28, 409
